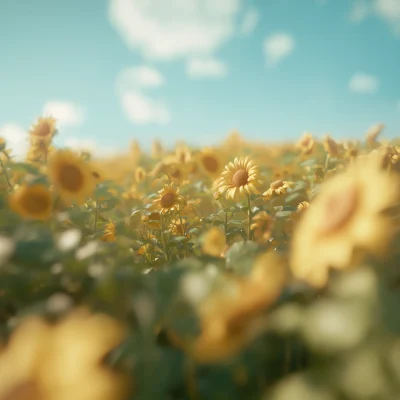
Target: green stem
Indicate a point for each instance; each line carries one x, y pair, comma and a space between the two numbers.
96, 217
326, 163
5, 173
163, 239
184, 234
226, 222
249, 214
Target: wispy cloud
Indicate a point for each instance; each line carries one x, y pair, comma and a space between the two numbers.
205, 67
66, 113
141, 109
277, 47
17, 139
175, 28
363, 83
250, 21
133, 84
387, 10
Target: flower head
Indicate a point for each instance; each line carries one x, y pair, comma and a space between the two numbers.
277, 188
214, 242
109, 232
71, 176
168, 199
262, 226
239, 178
32, 202
43, 129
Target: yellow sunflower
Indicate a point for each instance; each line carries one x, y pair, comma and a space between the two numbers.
306, 144
277, 188
228, 314
210, 162
32, 202
140, 174
330, 146
178, 227
62, 361
109, 232
261, 226
182, 154
43, 129
71, 176
214, 242
169, 199
239, 178
345, 218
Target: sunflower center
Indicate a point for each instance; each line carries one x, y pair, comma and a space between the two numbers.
71, 178
240, 178
339, 209
23, 391
168, 200
43, 129
210, 163
276, 185
35, 203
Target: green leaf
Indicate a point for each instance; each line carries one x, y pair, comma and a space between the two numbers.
23, 167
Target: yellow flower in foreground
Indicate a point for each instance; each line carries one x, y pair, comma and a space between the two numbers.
168, 199
347, 216
43, 129
32, 202
239, 178
109, 232
62, 361
228, 314
71, 176
277, 188
214, 242
262, 226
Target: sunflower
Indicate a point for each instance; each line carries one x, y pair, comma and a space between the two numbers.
228, 314
182, 154
140, 174
178, 173
240, 177
306, 144
71, 176
210, 162
169, 199
330, 146
109, 232
345, 218
178, 227
214, 242
153, 220
32, 202
277, 188
43, 129
65, 360
261, 226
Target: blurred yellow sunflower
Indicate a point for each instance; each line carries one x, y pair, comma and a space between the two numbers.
71, 176
228, 314
277, 188
169, 199
214, 242
261, 226
330, 146
239, 178
306, 144
178, 227
32, 202
182, 154
109, 232
62, 361
210, 162
140, 174
345, 218
43, 129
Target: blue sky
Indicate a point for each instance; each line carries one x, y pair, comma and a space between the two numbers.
117, 70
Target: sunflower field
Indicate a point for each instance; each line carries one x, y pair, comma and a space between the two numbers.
242, 271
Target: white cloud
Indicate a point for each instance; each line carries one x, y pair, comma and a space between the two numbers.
139, 77
143, 110
387, 10
205, 67
132, 84
250, 21
16, 138
363, 83
171, 29
66, 113
277, 47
